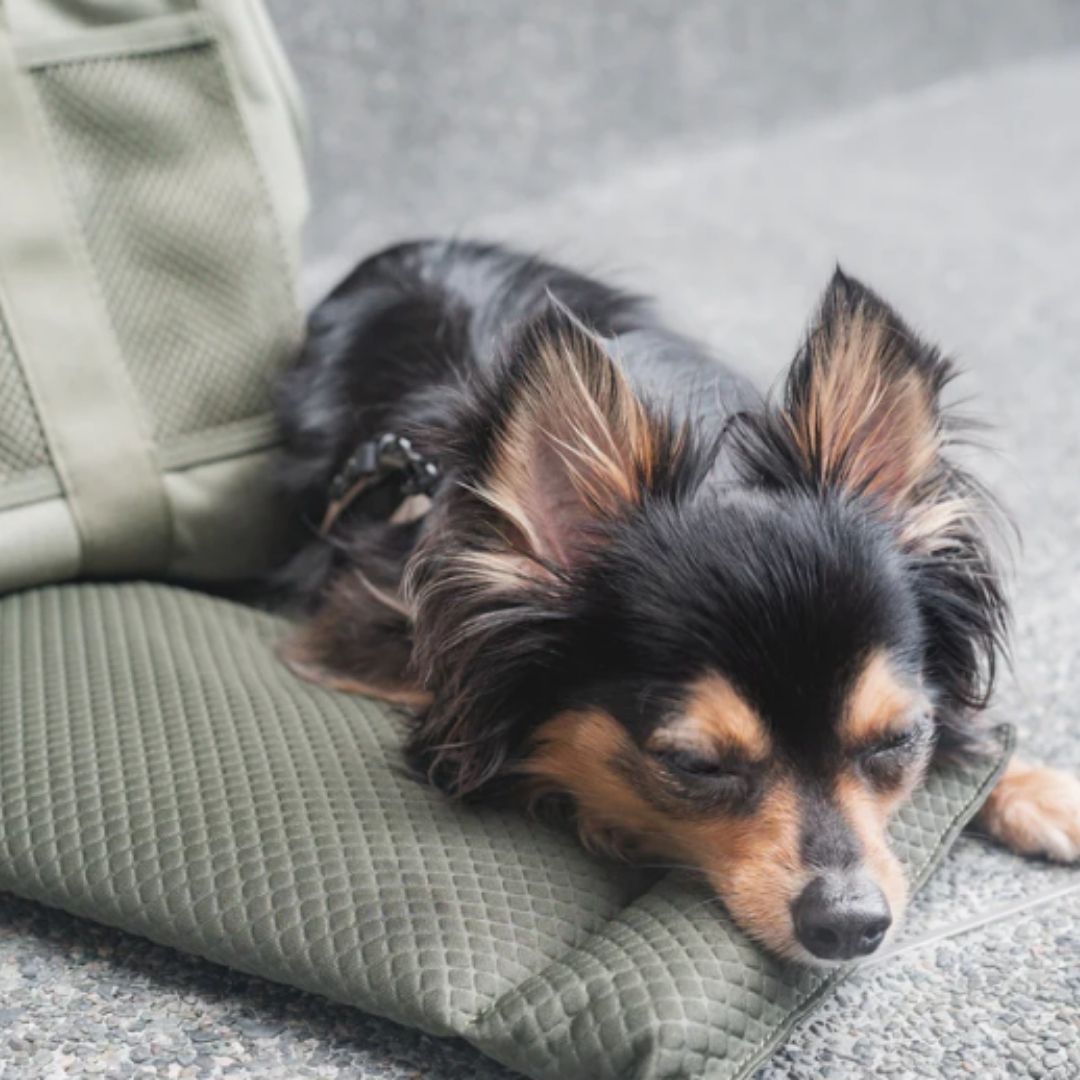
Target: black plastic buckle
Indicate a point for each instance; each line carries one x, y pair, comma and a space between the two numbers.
381, 457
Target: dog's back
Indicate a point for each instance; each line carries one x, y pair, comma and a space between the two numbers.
390, 346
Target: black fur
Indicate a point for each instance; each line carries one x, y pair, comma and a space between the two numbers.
741, 556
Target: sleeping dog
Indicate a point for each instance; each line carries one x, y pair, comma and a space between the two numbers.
605, 574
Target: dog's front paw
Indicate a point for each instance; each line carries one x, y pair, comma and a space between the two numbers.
1035, 810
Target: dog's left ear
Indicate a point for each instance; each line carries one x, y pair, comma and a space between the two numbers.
863, 400
862, 413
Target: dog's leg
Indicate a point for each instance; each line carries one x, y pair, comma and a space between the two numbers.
410, 697
1035, 810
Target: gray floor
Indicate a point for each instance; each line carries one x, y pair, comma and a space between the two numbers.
936, 158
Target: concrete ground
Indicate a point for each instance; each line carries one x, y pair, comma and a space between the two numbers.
935, 157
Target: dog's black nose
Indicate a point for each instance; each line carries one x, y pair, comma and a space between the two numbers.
841, 919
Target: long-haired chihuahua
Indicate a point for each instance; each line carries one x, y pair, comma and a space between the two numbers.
605, 573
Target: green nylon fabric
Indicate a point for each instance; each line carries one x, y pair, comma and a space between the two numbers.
147, 284
86, 409
161, 771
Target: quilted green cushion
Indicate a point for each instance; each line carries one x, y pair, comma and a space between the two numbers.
160, 771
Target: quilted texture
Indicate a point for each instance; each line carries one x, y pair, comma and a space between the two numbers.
162, 772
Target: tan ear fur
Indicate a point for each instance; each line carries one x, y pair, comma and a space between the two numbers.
577, 446
867, 418
863, 409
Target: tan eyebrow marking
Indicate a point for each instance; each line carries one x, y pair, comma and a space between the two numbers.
879, 704
715, 719
575, 752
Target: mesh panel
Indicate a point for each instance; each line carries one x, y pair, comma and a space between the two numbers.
22, 443
157, 163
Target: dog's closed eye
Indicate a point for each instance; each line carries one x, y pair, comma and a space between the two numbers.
888, 759
694, 764
691, 763
897, 743
708, 778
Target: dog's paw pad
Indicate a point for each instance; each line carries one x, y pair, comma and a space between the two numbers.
1035, 810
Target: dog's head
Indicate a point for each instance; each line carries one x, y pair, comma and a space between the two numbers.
735, 653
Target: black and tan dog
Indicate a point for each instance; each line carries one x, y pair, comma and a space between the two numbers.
727, 631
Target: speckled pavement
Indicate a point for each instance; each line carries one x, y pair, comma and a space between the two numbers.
957, 198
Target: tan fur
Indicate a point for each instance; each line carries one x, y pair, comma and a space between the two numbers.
862, 425
574, 753
575, 410
1035, 810
412, 508
936, 524
868, 813
409, 696
868, 423
753, 864
880, 704
502, 494
389, 600
498, 571
716, 720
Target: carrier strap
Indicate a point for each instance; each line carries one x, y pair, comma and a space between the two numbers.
65, 342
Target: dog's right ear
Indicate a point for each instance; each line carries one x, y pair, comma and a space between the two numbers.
567, 444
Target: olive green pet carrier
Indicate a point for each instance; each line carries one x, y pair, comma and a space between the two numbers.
151, 193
